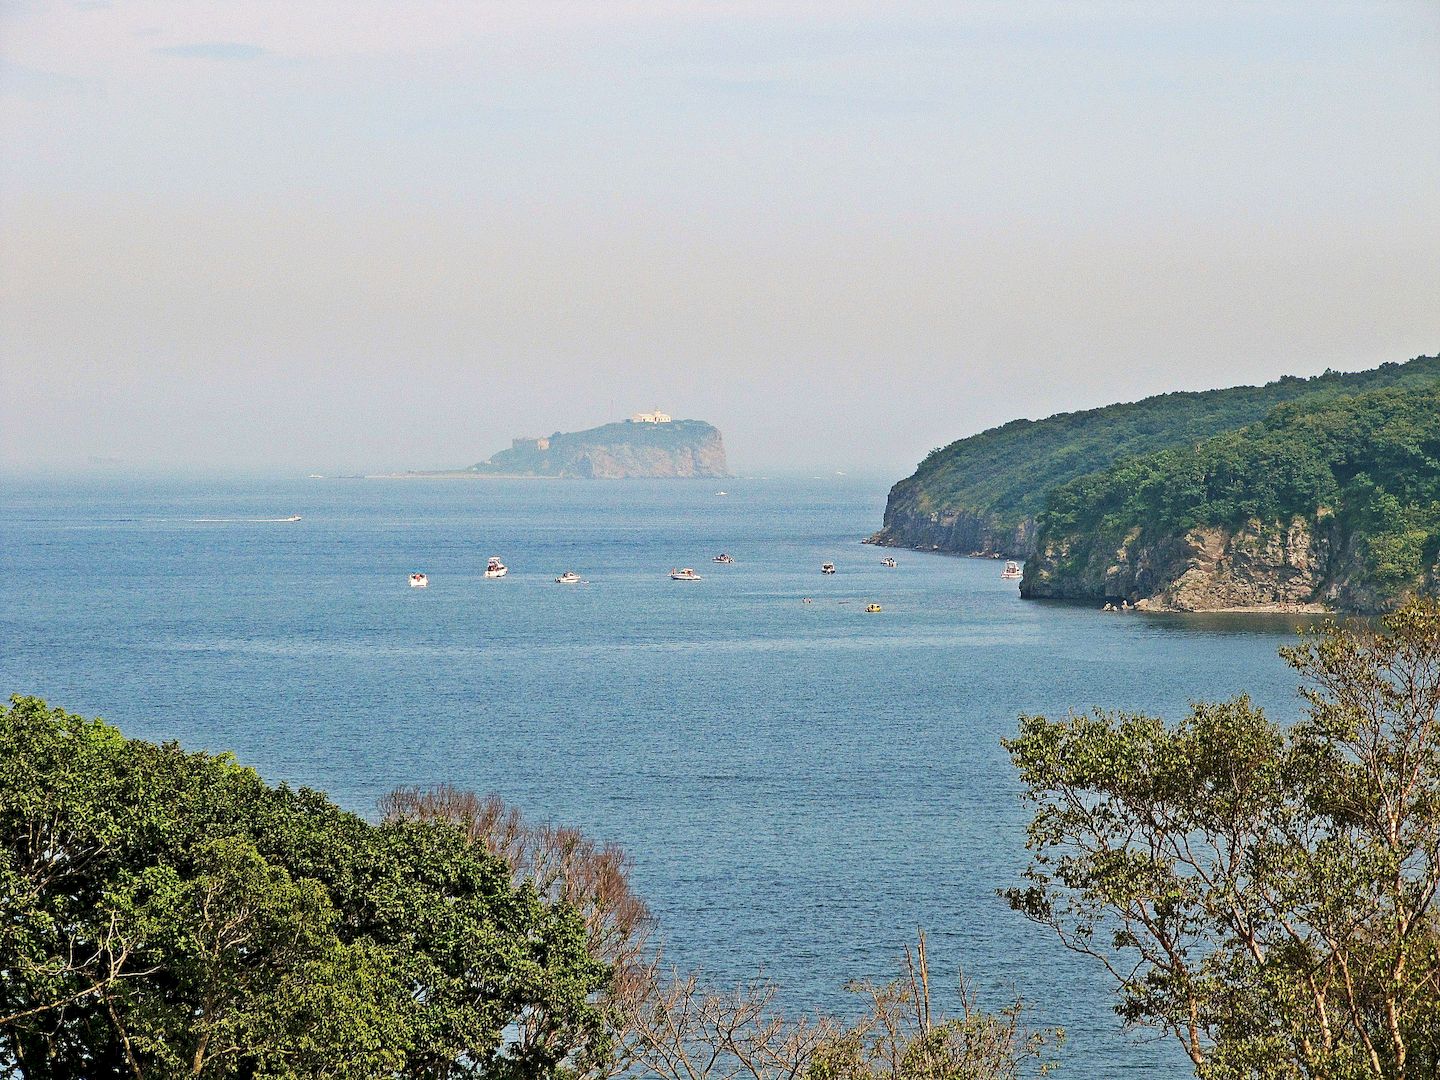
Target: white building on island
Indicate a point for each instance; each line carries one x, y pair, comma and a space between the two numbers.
656, 417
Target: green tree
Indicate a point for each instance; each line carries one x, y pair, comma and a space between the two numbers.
169, 914
1266, 896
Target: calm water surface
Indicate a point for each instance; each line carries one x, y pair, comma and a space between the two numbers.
801, 785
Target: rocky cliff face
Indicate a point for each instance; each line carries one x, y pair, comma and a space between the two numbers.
1280, 565
703, 458
682, 448
910, 522
959, 532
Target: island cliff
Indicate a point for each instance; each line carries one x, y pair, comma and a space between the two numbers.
642, 447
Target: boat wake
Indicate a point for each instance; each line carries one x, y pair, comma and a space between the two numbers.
243, 521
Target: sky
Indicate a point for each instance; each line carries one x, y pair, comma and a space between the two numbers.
363, 236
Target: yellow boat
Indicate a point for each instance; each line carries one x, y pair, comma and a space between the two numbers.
874, 607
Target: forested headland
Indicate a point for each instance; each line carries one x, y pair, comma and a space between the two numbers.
992, 492
1333, 501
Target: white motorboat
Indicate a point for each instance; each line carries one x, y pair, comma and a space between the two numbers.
496, 568
888, 562
1011, 571
684, 575
724, 558
419, 581
569, 577
827, 568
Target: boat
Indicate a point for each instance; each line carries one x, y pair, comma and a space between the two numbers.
568, 578
496, 568
888, 562
419, 581
1011, 571
292, 517
872, 608
684, 575
723, 558
827, 568
722, 493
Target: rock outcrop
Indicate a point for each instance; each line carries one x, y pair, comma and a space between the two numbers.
1283, 566
679, 448
957, 531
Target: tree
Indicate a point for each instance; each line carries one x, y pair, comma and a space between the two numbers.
673, 1025
1266, 896
688, 1032
901, 1035
169, 914
566, 868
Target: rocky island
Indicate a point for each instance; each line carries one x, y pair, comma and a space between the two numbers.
646, 445
1303, 493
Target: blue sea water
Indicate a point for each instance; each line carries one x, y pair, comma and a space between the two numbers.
802, 786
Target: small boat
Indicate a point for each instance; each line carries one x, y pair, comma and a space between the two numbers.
568, 578
827, 568
722, 493
1011, 571
872, 608
684, 575
292, 517
888, 562
419, 581
496, 568
723, 558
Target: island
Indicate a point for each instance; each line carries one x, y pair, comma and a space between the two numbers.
649, 444
1302, 494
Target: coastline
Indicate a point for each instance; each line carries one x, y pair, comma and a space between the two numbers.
459, 474
1144, 605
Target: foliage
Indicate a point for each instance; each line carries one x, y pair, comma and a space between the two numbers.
674, 1026
566, 868
1007, 472
688, 1032
1367, 465
900, 1035
1265, 896
165, 913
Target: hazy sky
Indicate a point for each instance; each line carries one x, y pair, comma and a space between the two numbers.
341, 236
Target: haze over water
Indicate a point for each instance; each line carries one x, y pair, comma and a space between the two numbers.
802, 785
350, 235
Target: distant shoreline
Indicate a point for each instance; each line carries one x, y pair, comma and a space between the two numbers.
461, 474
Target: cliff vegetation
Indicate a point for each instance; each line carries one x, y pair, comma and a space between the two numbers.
983, 493
1326, 501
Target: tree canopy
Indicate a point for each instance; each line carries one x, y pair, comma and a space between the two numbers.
1265, 895
1007, 474
170, 914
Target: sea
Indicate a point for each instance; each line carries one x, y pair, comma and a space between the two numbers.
803, 785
